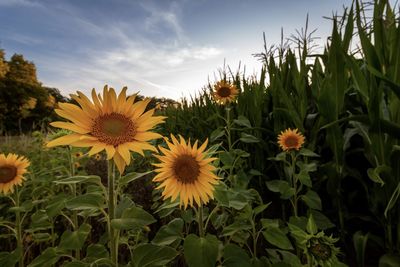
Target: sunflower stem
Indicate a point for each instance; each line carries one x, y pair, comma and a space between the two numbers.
210, 215
74, 213
111, 213
200, 221
310, 260
294, 182
254, 233
228, 127
229, 140
18, 224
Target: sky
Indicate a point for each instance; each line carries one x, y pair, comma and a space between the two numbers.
159, 48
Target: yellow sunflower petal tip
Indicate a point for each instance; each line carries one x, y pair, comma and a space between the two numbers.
117, 126
290, 139
12, 169
187, 173
224, 92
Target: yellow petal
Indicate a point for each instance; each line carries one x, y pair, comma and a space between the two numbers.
203, 146
75, 111
96, 101
123, 150
64, 140
145, 116
175, 193
86, 104
183, 196
162, 176
150, 123
70, 126
74, 117
135, 147
146, 136
110, 151
113, 99
95, 149
206, 161
121, 100
85, 143
138, 108
119, 161
174, 140
128, 104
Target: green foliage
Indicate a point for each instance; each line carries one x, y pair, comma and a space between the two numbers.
149, 255
201, 251
316, 206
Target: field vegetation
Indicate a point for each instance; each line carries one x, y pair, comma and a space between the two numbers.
298, 166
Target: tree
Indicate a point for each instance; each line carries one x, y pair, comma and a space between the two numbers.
25, 104
22, 71
3, 65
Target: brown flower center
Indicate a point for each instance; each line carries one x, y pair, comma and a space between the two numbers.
291, 141
224, 91
186, 169
320, 251
7, 173
114, 129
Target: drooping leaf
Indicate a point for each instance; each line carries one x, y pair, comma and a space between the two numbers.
393, 200
242, 121
234, 256
360, 243
47, 258
389, 260
76, 239
312, 200
277, 237
375, 174
150, 255
236, 227
169, 233
79, 179
132, 176
134, 217
201, 251
86, 201
248, 138
9, 259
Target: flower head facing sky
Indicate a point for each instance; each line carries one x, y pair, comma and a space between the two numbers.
109, 122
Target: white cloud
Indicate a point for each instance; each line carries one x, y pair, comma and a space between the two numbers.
23, 39
136, 61
160, 18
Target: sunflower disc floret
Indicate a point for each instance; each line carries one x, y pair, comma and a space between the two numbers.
186, 171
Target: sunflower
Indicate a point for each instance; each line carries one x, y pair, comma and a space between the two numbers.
12, 169
224, 92
290, 139
110, 122
185, 171
78, 155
